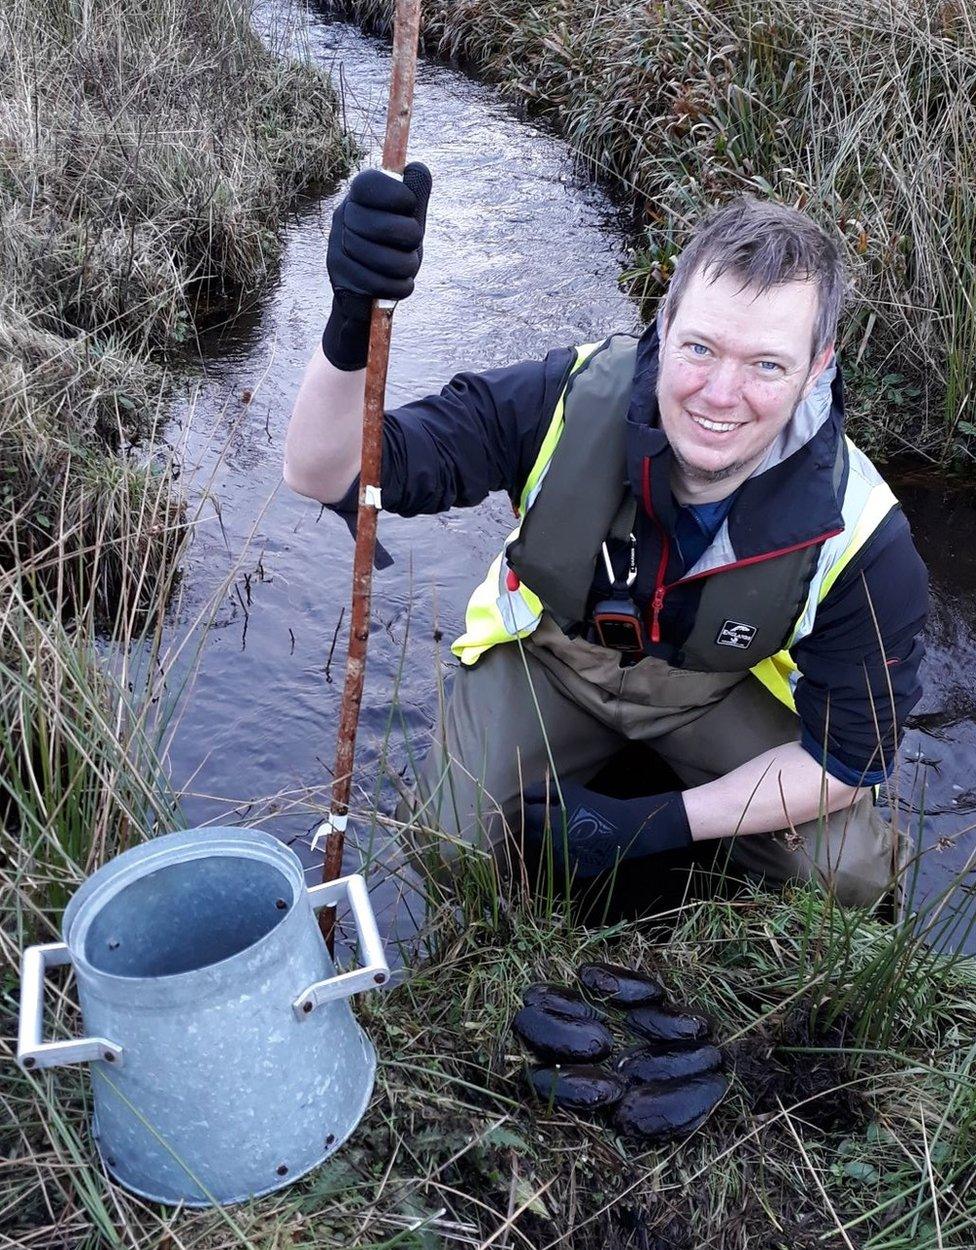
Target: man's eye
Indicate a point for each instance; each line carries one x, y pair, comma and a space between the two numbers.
768, 366
698, 349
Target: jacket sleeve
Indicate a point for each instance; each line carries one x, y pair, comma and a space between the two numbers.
480, 434
860, 664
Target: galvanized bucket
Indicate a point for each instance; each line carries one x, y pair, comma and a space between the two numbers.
226, 1060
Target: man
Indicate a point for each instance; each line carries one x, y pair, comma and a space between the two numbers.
702, 561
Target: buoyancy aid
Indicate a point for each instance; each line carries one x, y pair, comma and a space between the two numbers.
755, 604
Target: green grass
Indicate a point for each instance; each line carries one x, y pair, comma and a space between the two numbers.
850, 1121
864, 115
824, 1138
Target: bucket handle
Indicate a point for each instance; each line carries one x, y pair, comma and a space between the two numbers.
32, 1051
375, 970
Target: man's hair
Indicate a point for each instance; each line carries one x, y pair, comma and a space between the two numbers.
765, 245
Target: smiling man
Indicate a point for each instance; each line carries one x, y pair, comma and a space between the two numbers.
732, 373
702, 561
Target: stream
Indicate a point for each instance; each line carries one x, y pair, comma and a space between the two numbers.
521, 254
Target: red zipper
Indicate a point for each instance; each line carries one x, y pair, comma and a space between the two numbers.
661, 589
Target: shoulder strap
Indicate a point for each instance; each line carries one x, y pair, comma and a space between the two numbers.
559, 541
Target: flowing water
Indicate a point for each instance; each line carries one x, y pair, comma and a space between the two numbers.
521, 255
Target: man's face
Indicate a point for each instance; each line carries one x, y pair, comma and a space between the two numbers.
734, 366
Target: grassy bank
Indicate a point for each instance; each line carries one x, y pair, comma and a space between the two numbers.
865, 115
147, 156
850, 1120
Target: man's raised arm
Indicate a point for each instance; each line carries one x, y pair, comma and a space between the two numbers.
325, 434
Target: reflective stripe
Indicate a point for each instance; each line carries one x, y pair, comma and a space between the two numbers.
495, 613
880, 503
779, 675
553, 434
867, 501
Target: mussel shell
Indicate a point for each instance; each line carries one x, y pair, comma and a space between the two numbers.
660, 1023
583, 1087
563, 1041
623, 986
559, 1000
670, 1109
663, 1061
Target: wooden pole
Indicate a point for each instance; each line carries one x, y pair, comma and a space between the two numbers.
404, 65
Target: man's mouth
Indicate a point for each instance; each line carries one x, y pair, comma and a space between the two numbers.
716, 427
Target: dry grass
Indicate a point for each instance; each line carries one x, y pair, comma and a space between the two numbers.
148, 153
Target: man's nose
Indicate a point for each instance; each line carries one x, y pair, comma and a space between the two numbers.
723, 386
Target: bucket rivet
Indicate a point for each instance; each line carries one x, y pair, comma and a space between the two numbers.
282, 1169
30, 1063
330, 1139
110, 1161
307, 1007
379, 977
108, 1057
113, 944
280, 904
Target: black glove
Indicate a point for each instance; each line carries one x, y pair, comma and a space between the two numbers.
375, 250
601, 832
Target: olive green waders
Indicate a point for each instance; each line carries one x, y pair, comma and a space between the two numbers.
553, 695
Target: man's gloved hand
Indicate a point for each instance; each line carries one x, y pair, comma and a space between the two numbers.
375, 250
602, 832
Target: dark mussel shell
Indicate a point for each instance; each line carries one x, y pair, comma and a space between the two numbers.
559, 1000
660, 1023
670, 1109
619, 985
563, 1041
663, 1061
580, 1088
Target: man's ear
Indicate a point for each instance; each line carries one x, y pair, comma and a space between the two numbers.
816, 369
663, 320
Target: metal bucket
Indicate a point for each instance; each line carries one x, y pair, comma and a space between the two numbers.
226, 1060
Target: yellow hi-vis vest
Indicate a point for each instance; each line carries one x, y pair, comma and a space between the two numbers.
503, 608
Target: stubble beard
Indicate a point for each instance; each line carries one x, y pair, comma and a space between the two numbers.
708, 477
